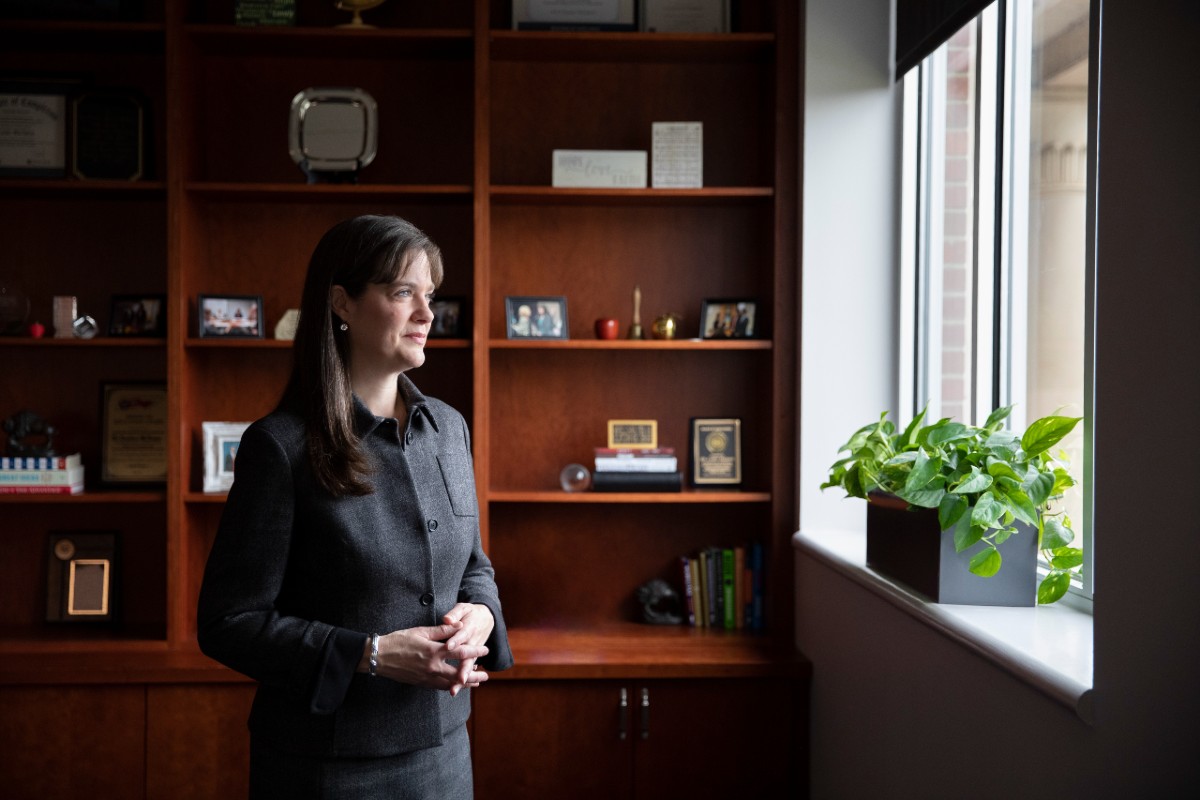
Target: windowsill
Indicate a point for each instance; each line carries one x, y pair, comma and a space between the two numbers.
1048, 647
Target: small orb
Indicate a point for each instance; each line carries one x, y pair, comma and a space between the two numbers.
575, 478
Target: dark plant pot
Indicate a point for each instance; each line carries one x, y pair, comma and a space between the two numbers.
910, 547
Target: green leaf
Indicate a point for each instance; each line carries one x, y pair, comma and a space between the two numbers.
945, 432
977, 482
1020, 505
950, 510
965, 535
852, 484
986, 563
1053, 587
987, 510
923, 471
1062, 481
1001, 536
1046, 432
1055, 534
1067, 558
997, 468
997, 416
909, 437
929, 497
1039, 488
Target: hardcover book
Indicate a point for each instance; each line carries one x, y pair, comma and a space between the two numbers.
637, 482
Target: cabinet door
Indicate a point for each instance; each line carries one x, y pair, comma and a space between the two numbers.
197, 741
719, 738
73, 741
552, 739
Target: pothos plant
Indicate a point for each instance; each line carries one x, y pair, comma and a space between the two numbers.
987, 474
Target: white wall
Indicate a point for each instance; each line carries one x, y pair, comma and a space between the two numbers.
848, 327
898, 711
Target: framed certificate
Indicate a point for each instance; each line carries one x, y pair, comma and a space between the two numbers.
716, 452
133, 433
33, 133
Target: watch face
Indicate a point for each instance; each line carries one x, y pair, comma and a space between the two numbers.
332, 129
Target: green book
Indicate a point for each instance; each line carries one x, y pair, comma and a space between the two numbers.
727, 588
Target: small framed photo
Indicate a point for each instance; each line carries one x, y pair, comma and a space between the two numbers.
536, 317
633, 434
138, 315
230, 316
82, 576
728, 318
449, 318
221, 440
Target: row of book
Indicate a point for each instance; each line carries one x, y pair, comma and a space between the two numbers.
723, 587
636, 470
41, 474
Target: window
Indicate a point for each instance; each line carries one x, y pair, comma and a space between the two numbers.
995, 272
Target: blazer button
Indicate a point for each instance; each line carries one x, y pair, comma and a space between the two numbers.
408, 437
432, 525
427, 599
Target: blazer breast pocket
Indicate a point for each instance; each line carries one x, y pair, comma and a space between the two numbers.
460, 484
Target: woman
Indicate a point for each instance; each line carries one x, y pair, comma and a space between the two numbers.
347, 575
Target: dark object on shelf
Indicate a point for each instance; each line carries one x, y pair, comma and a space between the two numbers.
108, 136
661, 605
138, 315
72, 9
909, 546
81, 576
29, 435
637, 482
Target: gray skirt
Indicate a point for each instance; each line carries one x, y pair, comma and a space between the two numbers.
436, 772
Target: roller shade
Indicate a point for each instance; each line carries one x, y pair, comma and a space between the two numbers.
923, 25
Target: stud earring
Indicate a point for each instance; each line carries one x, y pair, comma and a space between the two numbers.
344, 327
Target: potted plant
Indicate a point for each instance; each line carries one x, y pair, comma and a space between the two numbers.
983, 489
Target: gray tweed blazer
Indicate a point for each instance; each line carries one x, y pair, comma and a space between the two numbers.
297, 580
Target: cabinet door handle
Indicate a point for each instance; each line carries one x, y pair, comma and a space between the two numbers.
645, 713
621, 732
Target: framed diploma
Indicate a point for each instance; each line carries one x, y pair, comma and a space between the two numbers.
33, 134
81, 576
133, 433
716, 452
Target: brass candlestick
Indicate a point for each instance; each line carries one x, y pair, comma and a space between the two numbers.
635, 328
357, 7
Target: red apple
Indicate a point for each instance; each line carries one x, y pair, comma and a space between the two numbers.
37, 330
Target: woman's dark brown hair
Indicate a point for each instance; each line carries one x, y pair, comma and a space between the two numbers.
352, 254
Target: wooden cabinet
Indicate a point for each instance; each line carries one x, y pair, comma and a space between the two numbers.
639, 738
470, 111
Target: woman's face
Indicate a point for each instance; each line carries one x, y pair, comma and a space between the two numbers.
389, 322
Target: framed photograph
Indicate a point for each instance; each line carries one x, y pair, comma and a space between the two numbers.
632, 434
221, 440
138, 315
133, 433
536, 317
81, 576
230, 316
728, 318
716, 445
449, 318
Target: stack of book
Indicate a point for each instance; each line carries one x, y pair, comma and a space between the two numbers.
723, 587
621, 469
41, 475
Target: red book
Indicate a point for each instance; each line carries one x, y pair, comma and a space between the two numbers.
74, 488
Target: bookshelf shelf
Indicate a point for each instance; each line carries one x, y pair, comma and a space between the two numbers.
101, 343
88, 497
693, 345
550, 195
686, 497
228, 190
